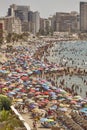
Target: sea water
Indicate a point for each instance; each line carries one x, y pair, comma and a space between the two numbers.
72, 54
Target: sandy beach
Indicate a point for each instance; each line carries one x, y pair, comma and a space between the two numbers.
29, 79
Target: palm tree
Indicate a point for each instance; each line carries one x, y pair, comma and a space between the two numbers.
9, 121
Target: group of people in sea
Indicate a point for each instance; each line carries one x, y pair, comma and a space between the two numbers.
29, 80
67, 70
71, 53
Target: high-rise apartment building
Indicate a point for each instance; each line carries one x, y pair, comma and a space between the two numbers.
19, 11
34, 21
66, 22
83, 16
30, 20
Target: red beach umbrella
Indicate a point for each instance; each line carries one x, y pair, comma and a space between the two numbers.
32, 91
46, 93
38, 93
24, 78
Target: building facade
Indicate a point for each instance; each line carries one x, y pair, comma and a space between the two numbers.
11, 24
2, 28
30, 20
60, 22
83, 16
34, 22
19, 11
66, 22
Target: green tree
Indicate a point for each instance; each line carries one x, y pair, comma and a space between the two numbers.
1, 37
41, 32
1, 40
9, 37
5, 102
9, 121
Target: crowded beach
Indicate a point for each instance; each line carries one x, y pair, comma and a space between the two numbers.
29, 80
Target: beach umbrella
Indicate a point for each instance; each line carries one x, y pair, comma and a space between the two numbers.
40, 68
73, 102
25, 74
52, 93
84, 110
1, 86
37, 93
60, 95
54, 107
45, 87
53, 96
54, 88
45, 101
32, 106
39, 96
41, 103
32, 90
50, 120
54, 101
37, 89
17, 89
46, 93
78, 97
58, 90
43, 120
45, 96
11, 93
30, 72
68, 97
29, 100
43, 80
24, 78
23, 90
19, 100
24, 95
62, 109
62, 99
50, 90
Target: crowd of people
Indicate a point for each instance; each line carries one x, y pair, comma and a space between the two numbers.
28, 79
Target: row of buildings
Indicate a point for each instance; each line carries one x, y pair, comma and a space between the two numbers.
21, 19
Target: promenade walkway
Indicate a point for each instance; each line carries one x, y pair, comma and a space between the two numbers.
30, 122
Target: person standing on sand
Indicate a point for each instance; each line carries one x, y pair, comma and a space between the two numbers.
34, 125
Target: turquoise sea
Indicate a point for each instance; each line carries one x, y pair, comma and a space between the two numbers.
72, 54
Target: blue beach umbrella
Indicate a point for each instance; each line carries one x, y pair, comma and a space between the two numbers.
11, 93
84, 110
52, 93
53, 107
45, 87
43, 120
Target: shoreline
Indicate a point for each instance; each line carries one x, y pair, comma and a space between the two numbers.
22, 66
70, 71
